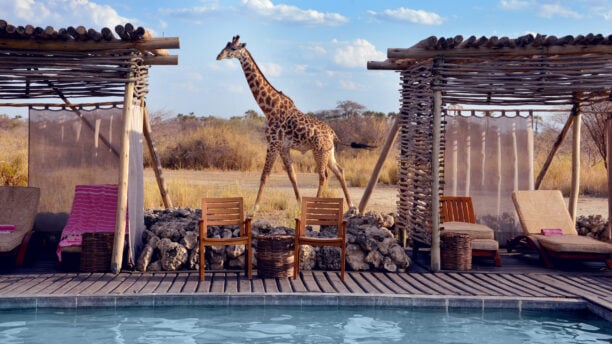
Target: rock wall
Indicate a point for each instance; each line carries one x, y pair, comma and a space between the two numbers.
171, 244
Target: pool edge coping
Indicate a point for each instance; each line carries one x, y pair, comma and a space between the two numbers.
307, 299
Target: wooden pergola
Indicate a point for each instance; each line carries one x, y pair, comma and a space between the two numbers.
543, 71
38, 64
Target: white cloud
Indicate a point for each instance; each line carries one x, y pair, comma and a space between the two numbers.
300, 68
293, 14
63, 13
513, 4
409, 15
224, 65
234, 88
270, 69
356, 54
196, 15
607, 15
550, 11
348, 85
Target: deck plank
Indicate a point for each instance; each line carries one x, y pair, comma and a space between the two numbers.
364, 283
231, 283
533, 280
217, 281
404, 285
55, 284
297, 285
244, 284
474, 288
178, 283
494, 288
309, 281
416, 283
270, 285
323, 282
165, 283
126, 284
23, 285
337, 283
284, 285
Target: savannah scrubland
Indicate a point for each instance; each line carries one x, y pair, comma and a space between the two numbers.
187, 144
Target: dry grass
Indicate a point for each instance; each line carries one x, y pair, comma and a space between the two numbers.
593, 178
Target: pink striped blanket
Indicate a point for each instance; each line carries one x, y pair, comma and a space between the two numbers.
94, 209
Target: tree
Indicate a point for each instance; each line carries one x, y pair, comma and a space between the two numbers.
349, 108
595, 123
251, 114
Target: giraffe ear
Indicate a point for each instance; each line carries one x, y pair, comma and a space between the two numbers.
242, 45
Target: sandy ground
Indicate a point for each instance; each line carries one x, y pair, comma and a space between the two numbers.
382, 199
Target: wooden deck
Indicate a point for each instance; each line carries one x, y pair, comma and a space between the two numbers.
515, 285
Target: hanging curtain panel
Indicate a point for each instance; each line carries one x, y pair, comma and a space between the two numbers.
487, 158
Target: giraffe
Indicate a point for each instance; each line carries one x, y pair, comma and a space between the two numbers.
287, 127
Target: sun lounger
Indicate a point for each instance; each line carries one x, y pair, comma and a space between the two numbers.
546, 210
458, 216
18, 209
94, 209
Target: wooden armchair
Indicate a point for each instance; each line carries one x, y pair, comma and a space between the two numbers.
225, 212
323, 212
458, 216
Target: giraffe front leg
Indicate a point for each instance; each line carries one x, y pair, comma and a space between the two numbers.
271, 154
339, 172
286, 157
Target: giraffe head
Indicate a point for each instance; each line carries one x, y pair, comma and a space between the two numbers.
232, 50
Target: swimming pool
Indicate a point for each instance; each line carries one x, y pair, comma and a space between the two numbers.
312, 324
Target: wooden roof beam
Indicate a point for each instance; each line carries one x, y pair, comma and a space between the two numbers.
420, 53
148, 45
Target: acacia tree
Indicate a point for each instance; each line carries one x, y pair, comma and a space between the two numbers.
595, 123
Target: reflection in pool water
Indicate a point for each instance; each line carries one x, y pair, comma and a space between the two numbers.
174, 325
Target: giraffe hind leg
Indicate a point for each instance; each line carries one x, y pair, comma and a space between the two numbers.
321, 159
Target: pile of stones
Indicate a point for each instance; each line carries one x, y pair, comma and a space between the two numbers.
593, 225
171, 244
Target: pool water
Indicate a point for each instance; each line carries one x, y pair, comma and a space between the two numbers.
175, 325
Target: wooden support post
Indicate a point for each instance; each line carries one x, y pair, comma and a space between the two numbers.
530, 148
124, 159
157, 167
435, 184
575, 190
609, 167
552, 152
379, 164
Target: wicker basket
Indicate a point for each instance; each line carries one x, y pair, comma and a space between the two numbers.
96, 252
456, 251
275, 255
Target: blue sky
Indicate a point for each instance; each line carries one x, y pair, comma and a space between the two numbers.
314, 51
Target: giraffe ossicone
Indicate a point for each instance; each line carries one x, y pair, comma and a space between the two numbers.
287, 127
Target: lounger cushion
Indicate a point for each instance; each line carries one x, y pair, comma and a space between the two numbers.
475, 230
18, 206
485, 245
543, 209
573, 244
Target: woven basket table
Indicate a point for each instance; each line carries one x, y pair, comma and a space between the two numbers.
456, 251
275, 255
96, 251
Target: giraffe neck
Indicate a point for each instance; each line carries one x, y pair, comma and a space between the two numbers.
269, 99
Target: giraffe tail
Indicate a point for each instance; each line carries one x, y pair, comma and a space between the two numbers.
358, 145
